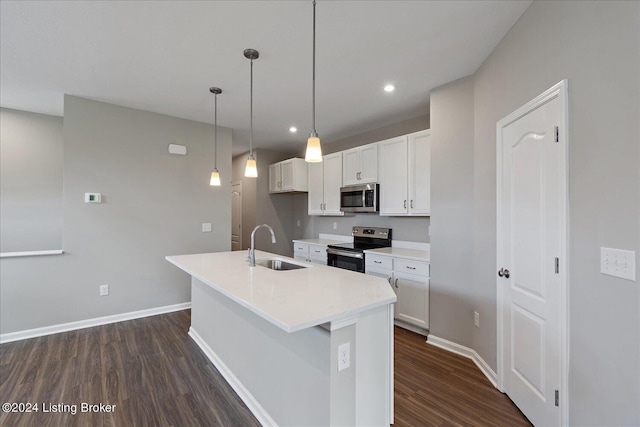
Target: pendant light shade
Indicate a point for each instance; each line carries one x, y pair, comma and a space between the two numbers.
215, 178
251, 169
215, 175
314, 151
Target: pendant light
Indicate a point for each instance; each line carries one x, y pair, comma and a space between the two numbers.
314, 151
251, 170
215, 175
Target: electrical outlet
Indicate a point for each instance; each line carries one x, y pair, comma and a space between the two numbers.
335, 225
104, 290
298, 223
344, 356
476, 319
206, 227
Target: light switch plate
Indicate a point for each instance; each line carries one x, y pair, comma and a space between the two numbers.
618, 263
206, 227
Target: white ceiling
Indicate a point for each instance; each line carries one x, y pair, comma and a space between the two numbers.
163, 56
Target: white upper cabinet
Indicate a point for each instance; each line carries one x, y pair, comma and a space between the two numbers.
420, 173
405, 175
393, 176
325, 180
288, 176
360, 165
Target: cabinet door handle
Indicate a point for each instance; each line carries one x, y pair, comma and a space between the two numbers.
405, 204
389, 279
396, 282
377, 262
411, 204
504, 273
410, 268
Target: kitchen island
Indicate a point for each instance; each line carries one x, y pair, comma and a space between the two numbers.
310, 346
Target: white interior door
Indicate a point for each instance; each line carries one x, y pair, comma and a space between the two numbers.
532, 241
236, 216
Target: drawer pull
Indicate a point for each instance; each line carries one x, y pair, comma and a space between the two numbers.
377, 262
411, 268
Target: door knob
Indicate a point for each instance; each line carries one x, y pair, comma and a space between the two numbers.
504, 273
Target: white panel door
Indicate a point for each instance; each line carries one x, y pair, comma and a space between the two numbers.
413, 298
369, 163
315, 200
236, 216
351, 167
420, 173
393, 176
275, 177
286, 175
531, 188
332, 183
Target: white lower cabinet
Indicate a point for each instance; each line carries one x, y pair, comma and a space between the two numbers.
301, 251
310, 252
410, 281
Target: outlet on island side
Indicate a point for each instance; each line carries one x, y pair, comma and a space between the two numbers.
344, 356
476, 319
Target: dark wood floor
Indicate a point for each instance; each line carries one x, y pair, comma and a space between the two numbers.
434, 387
156, 376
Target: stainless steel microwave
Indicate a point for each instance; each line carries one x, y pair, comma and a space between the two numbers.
360, 198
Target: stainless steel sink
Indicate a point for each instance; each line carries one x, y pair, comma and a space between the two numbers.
278, 264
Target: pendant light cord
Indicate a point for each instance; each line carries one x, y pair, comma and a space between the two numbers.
215, 132
251, 112
313, 103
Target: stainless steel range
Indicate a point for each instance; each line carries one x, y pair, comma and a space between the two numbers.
350, 256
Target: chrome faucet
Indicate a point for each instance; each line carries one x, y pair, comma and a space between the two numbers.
252, 250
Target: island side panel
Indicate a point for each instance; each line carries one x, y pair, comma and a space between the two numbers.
374, 361
287, 374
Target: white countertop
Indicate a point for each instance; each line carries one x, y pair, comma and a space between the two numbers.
292, 300
401, 253
317, 241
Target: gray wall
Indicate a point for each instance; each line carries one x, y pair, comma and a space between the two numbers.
451, 292
415, 229
595, 46
153, 205
31, 156
260, 207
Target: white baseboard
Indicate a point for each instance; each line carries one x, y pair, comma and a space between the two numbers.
81, 324
256, 409
467, 352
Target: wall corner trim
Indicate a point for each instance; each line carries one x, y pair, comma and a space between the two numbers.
467, 352
245, 395
88, 323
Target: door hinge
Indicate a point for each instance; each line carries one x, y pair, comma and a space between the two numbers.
557, 398
557, 265
556, 134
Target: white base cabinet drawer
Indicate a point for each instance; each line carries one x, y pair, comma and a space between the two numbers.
410, 266
378, 261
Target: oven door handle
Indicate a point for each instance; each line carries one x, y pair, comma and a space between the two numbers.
332, 251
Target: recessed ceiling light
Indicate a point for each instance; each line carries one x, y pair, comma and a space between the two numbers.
389, 88
293, 129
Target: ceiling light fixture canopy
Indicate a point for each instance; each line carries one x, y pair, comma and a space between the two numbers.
314, 150
215, 175
251, 169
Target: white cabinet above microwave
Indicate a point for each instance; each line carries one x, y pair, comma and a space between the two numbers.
360, 165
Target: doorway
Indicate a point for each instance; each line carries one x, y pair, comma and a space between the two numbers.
236, 216
532, 257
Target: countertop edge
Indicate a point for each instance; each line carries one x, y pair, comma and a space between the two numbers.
274, 321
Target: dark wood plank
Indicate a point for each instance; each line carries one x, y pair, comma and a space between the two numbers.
435, 387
